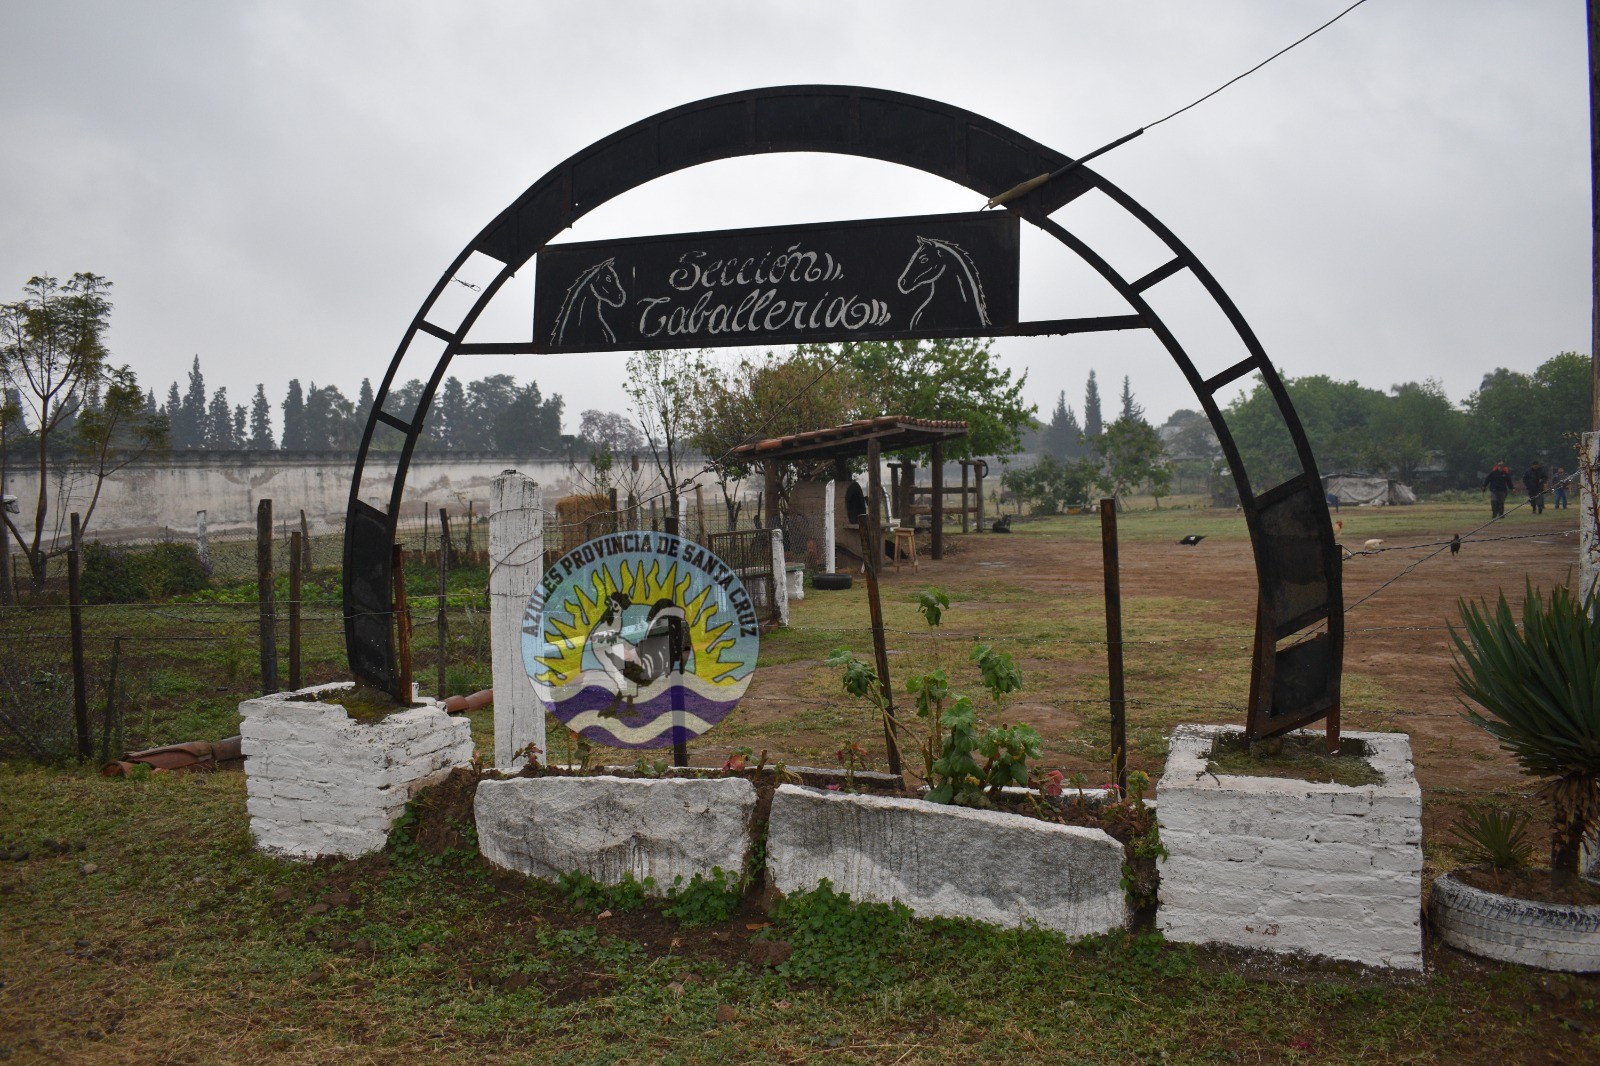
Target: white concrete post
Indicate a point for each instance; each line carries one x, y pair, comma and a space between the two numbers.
780, 578
202, 545
1589, 513
828, 559
516, 565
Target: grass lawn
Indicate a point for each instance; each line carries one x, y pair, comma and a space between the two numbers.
141, 926
137, 923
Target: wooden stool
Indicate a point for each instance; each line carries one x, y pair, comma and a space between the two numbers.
908, 538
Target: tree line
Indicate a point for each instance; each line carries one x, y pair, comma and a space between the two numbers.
1074, 459
493, 413
1414, 432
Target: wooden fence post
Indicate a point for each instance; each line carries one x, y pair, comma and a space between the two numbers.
109, 719
295, 543
1113, 579
444, 598
872, 556
265, 596
305, 543
80, 680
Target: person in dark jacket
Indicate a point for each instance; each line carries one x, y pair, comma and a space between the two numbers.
1534, 482
1498, 485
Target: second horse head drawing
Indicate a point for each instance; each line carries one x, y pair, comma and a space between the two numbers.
946, 270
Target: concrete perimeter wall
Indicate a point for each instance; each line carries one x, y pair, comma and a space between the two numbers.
147, 498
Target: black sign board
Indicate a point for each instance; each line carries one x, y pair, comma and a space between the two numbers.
928, 276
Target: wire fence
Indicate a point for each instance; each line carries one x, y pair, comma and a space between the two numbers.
167, 635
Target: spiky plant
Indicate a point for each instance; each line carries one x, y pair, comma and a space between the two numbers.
1539, 687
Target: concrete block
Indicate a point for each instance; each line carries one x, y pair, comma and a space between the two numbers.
605, 827
941, 860
320, 783
1293, 866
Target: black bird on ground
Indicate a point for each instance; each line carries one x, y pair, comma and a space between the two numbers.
1192, 539
1455, 544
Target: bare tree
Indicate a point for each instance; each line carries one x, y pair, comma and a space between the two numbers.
660, 389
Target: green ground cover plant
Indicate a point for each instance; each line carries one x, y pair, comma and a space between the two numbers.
184, 941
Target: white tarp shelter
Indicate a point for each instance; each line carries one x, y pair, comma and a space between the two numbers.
1366, 490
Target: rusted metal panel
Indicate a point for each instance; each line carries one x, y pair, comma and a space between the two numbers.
369, 637
1291, 559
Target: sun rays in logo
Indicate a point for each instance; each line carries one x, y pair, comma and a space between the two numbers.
568, 624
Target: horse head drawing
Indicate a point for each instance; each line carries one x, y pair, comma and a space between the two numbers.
931, 265
597, 288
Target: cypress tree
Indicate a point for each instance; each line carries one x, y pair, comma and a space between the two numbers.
1093, 425
294, 418
261, 422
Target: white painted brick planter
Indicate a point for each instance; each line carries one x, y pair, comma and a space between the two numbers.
940, 860
1293, 866
322, 783
607, 827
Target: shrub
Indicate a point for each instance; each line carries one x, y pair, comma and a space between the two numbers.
1539, 687
128, 575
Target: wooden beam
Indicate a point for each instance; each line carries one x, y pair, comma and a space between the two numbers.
872, 557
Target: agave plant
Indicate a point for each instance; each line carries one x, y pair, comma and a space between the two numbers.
1539, 688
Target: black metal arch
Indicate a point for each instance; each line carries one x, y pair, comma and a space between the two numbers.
1297, 561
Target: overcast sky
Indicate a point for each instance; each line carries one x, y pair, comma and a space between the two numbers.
276, 186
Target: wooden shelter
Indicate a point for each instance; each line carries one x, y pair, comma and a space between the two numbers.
870, 437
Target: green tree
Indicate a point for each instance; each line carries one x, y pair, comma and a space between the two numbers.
1093, 421
772, 394
1051, 484
260, 422
1131, 455
191, 424
219, 423
1521, 417
530, 423
960, 380
294, 418
1132, 410
52, 358
1063, 437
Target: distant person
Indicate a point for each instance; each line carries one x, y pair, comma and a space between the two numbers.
1498, 485
1559, 479
1534, 483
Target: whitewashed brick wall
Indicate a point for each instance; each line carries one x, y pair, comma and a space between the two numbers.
1292, 866
321, 783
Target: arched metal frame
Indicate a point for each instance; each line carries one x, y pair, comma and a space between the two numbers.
1297, 560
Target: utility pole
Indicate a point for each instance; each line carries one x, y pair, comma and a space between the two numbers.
1594, 217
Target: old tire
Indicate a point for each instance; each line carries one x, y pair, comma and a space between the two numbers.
1546, 936
832, 582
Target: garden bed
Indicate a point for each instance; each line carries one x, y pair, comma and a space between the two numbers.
322, 781
1289, 865
1045, 860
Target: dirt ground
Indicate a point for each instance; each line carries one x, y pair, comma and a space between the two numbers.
1397, 659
